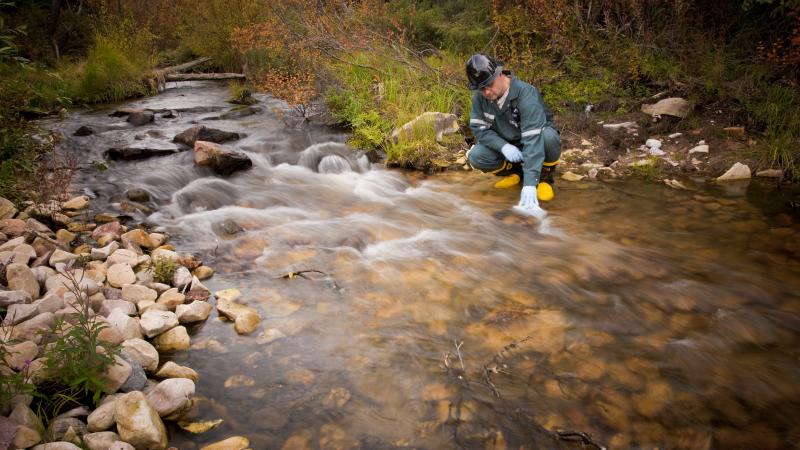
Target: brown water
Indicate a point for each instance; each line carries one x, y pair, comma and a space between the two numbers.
644, 316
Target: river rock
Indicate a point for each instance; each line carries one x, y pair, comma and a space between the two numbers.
201, 133
703, 148
83, 131
142, 352
138, 237
136, 293
154, 322
127, 326
13, 227
137, 379
59, 428
120, 275
11, 244
101, 440
61, 257
770, 173
171, 299
102, 254
157, 239
23, 415
176, 339
123, 256
197, 311
76, 203
138, 423
221, 160
135, 153
57, 446
121, 445
33, 329
26, 437
7, 209
246, 319
182, 277
172, 396
110, 305
19, 313
8, 298
231, 443
20, 278
42, 273
18, 355
570, 176
102, 418
116, 375
139, 118
49, 303
172, 370
112, 229
738, 171
434, 124
673, 106
23, 254
203, 272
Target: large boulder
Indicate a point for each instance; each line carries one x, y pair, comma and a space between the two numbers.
674, 106
435, 124
138, 423
171, 397
201, 133
221, 160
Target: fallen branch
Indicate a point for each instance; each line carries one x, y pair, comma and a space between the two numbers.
203, 76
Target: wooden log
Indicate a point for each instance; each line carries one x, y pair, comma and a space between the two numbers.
158, 77
204, 76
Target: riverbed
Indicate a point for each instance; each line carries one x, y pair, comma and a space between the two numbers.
428, 314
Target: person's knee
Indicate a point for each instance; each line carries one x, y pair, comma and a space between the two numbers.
482, 158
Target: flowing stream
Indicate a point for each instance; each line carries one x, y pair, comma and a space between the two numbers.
641, 315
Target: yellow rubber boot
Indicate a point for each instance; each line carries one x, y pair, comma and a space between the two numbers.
507, 182
544, 192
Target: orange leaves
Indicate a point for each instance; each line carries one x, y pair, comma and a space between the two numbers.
293, 88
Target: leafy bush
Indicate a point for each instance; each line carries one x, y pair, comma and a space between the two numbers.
78, 359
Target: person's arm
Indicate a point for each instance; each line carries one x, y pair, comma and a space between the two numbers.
481, 126
532, 119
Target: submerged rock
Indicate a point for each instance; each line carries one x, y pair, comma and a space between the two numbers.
134, 153
738, 171
221, 160
201, 133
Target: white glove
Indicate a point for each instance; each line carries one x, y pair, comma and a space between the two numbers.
527, 198
512, 153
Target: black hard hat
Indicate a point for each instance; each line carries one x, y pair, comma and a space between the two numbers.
481, 71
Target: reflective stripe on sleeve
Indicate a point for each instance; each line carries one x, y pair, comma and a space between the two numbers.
478, 122
489, 116
532, 132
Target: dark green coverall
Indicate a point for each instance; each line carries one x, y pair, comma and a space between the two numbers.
523, 121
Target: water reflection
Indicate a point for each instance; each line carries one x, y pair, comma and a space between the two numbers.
644, 316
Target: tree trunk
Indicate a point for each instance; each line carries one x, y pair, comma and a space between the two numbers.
52, 23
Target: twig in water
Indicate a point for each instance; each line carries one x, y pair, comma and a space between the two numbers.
578, 436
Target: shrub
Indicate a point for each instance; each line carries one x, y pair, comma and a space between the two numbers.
78, 359
164, 269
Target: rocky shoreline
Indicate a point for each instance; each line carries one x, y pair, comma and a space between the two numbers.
137, 292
